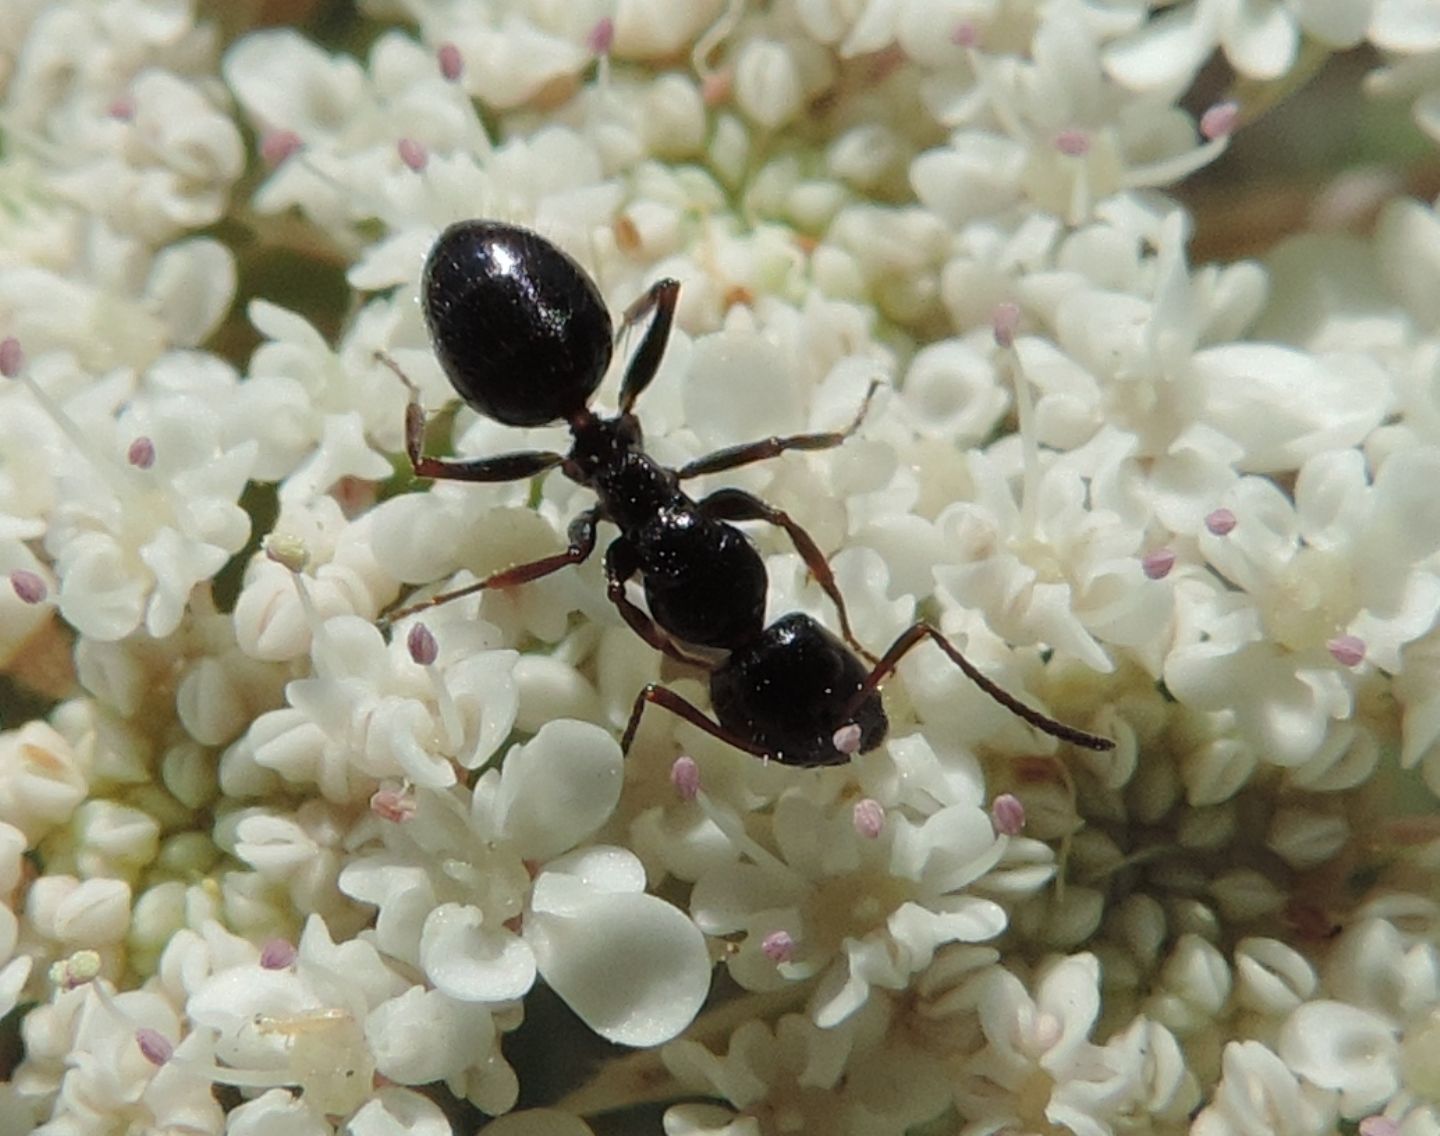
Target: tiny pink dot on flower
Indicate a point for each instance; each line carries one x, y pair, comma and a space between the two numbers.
420, 642
601, 37
452, 63
1073, 143
277, 954
1157, 563
1004, 321
1007, 814
413, 153
778, 946
1220, 120
1347, 650
868, 818
392, 804
154, 1046
12, 357
121, 108
277, 145
965, 34
1221, 522
685, 778
846, 739
1379, 1126
715, 87
141, 453
28, 586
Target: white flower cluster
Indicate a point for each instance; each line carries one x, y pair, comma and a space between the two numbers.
273, 861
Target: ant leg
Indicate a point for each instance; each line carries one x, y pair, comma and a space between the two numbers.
920, 631
737, 505
678, 706
620, 565
581, 536
504, 467
661, 299
731, 457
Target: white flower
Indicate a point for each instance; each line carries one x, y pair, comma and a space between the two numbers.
1049, 569
509, 61
482, 901
322, 1024
165, 168
105, 95
1372, 1046
861, 912
349, 124
92, 302
352, 165
1258, 1096
1041, 1042
42, 779
1348, 558
320, 414
785, 1078
84, 1067
1260, 38
74, 913
341, 577
369, 711
135, 530
304, 851
1346, 1049
1063, 136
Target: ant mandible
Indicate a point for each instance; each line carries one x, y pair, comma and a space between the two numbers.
525, 338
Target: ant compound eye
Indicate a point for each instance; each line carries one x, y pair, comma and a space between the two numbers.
519, 327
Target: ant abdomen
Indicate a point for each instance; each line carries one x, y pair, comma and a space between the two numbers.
789, 690
521, 330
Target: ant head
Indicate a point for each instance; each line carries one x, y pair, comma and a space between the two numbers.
519, 327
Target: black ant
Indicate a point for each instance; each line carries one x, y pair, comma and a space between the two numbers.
525, 338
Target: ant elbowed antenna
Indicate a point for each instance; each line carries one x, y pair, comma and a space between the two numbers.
525, 338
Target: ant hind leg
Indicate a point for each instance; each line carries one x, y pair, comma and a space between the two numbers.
916, 634
681, 708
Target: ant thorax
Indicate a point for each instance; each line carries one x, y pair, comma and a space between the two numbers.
608, 457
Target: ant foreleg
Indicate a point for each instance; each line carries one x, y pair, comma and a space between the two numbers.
920, 631
581, 536
503, 467
737, 505
732, 457
620, 565
661, 299
678, 706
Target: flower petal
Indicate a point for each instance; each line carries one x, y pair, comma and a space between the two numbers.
633, 967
